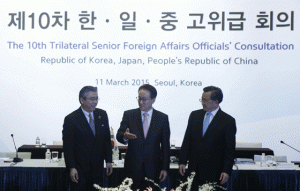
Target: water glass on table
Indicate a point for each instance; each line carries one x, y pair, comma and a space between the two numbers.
270, 160
54, 156
123, 157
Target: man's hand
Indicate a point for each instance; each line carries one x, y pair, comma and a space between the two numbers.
74, 175
224, 177
109, 169
128, 135
182, 169
163, 175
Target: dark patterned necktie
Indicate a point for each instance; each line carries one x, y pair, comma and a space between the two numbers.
92, 123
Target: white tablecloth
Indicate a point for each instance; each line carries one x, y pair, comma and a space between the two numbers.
61, 164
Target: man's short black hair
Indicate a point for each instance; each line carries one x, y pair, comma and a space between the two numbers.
216, 93
151, 89
85, 90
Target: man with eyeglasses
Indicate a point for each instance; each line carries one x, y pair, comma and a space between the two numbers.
86, 142
209, 141
147, 133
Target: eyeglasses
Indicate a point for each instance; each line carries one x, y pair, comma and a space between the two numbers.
205, 102
93, 98
143, 99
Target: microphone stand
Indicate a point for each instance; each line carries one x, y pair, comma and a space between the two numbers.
295, 162
16, 159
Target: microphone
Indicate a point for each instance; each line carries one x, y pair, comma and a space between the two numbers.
295, 162
16, 159
289, 146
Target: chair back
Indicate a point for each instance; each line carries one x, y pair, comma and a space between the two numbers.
280, 158
248, 145
57, 143
23, 155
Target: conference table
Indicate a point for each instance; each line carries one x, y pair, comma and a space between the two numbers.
38, 174
39, 152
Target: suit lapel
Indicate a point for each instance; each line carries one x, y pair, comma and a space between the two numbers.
97, 119
84, 123
153, 123
201, 118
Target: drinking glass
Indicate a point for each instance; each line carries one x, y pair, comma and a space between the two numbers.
43, 142
54, 156
270, 160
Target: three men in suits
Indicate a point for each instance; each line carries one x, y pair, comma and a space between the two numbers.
209, 141
147, 133
86, 142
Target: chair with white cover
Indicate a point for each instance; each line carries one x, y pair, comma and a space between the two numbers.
3, 155
23, 155
280, 158
248, 145
57, 142
257, 158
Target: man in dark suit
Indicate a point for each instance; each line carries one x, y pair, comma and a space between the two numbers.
147, 133
86, 142
209, 141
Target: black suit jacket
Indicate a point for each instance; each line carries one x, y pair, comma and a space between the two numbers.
152, 152
213, 153
82, 149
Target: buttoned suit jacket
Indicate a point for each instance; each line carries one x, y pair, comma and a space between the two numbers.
82, 149
152, 152
213, 153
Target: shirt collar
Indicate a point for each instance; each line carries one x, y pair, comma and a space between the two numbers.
149, 112
214, 112
87, 113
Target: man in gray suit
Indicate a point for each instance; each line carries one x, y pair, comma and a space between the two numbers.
147, 133
209, 141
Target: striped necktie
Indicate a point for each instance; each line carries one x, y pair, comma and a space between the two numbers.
92, 124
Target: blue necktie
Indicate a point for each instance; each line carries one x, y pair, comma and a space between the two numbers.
206, 122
